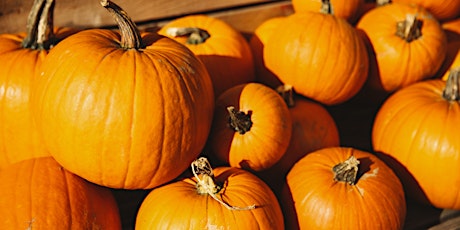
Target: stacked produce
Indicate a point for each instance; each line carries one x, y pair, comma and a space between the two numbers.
222, 131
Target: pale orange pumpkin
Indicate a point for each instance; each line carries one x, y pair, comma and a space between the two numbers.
443, 10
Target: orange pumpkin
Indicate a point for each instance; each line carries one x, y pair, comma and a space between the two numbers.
443, 10
124, 110
343, 188
21, 56
452, 61
408, 42
223, 49
416, 130
252, 127
320, 55
38, 193
220, 198
349, 10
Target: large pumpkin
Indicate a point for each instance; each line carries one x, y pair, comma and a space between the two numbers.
252, 127
219, 198
124, 110
416, 130
21, 56
408, 42
320, 55
443, 10
349, 10
38, 193
343, 188
223, 49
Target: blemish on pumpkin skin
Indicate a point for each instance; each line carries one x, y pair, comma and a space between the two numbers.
29, 223
364, 177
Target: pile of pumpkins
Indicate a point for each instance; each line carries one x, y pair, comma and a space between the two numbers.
230, 132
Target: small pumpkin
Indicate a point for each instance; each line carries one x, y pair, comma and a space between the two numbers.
38, 193
252, 127
223, 49
349, 10
219, 198
123, 109
408, 42
320, 55
443, 10
416, 131
21, 56
343, 188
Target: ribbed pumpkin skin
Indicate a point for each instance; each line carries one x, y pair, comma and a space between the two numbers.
267, 140
320, 55
401, 63
178, 205
226, 53
39, 194
418, 130
376, 201
348, 10
442, 10
121, 118
19, 139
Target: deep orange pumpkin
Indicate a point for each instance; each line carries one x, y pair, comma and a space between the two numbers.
124, 110
252, 127
21, 56
416, 129
443, 10
343, 188
349, 10
223, 49
38, 193
408, 42
219, 198
320, 55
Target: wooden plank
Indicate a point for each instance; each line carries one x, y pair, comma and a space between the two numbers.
89, 13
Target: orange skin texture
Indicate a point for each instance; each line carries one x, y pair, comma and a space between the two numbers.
320, 55
349, 10
39, 194
376, 201
19, 139
226, 53
268, 138
178, 205
443, 10
123, 118
401, 63
417, 128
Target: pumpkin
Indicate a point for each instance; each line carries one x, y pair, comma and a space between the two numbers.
37, 193
349, 10
443, 10
251, 129
257, 43
219, 198
313, 128
416, 131
21, 56
223, 49
123, 109
408, 42
452, 61
320, 55
343, 188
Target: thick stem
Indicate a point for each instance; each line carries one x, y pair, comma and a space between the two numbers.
409, 29
287, 93
326, 7
194, 35
130, 35
40, 26
452, 90
202, 170
239, 121
346, 171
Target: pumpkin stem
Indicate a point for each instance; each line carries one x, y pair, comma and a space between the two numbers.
452, 90
326, 7
202, 170
409, 29
130, 35
40, 33
382, 2
287, 92
194, 35
346, 171
239, 121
